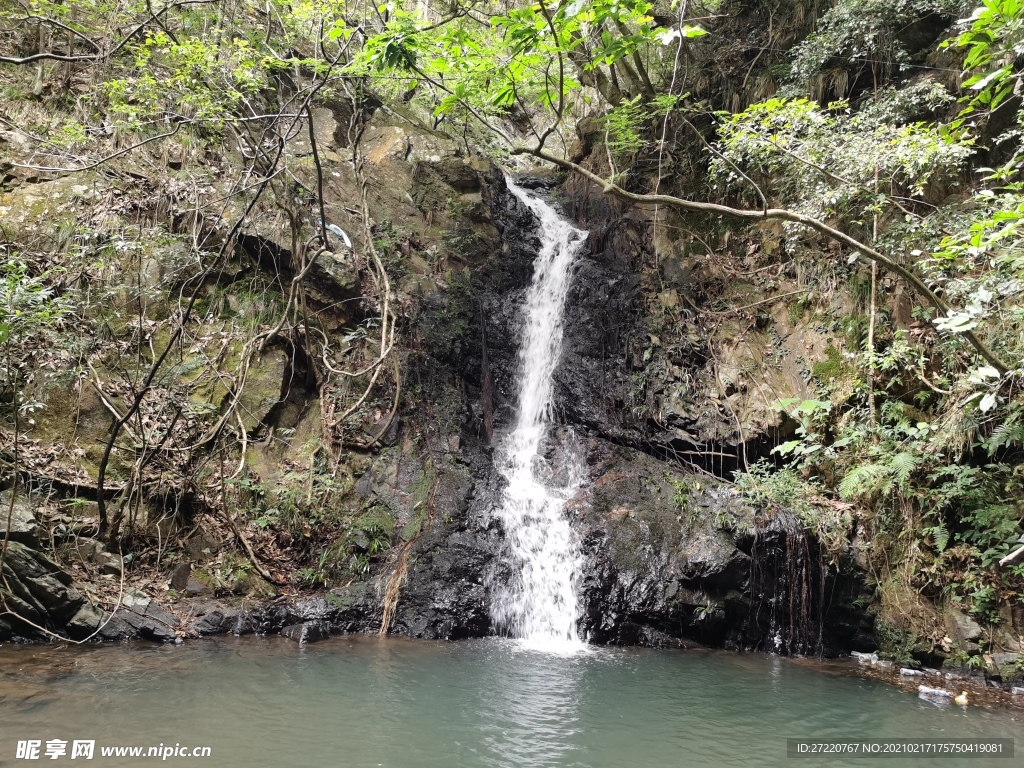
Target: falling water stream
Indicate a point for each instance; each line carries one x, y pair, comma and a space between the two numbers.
539, 604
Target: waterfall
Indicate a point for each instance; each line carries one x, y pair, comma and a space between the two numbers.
539, 603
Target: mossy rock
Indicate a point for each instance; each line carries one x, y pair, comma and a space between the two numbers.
831, 368
263, 387
74, 416
251, 584
375, 519
263, 383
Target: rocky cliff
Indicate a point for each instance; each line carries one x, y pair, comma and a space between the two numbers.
673, 555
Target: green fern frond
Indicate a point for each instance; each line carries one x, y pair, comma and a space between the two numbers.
864, 480
902, 466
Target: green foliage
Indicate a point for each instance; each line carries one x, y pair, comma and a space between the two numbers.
836, 162
811, 415
895, 643
906, 431
879, 478
30, 315
386, 238
28, 305
194, 77
831, 368
625, 124
312, 514
684, 490
525, 58
993, 37
863, 32
766, 486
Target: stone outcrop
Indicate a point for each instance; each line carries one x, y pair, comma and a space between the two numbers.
45, 603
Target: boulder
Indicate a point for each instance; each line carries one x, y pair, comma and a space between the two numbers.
136, 617
149, 621
218, 621
109, 563
85, 549
23, 526
963, 629
307, 632
40, 584
195, 587
181, 576
1003, 659
263, 386
94, 623
332, 278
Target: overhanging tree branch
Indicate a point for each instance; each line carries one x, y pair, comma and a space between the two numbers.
781, 214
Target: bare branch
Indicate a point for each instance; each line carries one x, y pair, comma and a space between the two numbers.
102, 160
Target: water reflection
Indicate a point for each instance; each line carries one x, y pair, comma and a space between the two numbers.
532, 710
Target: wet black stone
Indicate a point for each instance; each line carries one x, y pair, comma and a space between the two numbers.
307, 632
217, 622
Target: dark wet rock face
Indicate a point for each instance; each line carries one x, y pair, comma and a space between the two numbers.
675, 559
307, 632
593, 384
445, 597
671, 559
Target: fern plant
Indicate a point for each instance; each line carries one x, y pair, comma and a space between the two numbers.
879, 478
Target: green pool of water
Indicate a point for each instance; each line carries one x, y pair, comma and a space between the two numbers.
401, 704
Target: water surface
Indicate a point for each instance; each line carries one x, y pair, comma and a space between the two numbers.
393, 703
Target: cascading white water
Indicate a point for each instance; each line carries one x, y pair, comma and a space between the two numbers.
539, 604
